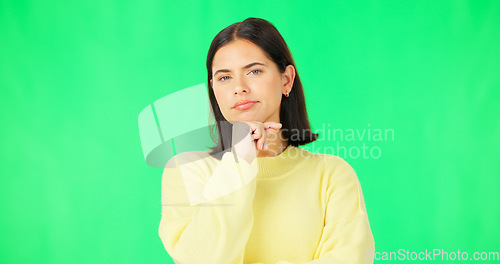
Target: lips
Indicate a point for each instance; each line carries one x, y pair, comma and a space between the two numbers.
244, 104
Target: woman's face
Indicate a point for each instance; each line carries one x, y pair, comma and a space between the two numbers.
244, 75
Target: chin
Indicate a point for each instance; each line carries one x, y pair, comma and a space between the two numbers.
250, 119
244, 117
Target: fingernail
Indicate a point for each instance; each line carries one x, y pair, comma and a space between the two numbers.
265, 146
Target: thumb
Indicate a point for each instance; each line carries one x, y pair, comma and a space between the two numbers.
273, 125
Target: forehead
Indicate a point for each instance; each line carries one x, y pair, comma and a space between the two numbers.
238, 53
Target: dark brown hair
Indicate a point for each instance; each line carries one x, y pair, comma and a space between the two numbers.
293, 114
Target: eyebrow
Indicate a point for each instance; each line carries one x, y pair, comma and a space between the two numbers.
244, 67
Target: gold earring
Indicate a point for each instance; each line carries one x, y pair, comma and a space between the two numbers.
287, 94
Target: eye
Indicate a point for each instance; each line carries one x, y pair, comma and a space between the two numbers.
255, 71
222, 79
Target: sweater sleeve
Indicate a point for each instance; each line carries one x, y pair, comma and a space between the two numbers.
347, 236
207, 213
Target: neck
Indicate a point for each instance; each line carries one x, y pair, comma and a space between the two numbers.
276, 144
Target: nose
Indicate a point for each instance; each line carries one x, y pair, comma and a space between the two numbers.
240, 87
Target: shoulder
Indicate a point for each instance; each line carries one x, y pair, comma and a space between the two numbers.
339, 182
333, 170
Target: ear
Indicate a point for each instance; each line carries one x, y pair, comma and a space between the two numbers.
288, 76
211, 83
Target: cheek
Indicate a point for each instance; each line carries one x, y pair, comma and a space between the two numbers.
273, 89
222, 100
220, 97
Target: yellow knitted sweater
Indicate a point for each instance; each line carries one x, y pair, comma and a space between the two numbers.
297, 207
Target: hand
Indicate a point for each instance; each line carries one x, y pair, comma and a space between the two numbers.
261, 131
252, 136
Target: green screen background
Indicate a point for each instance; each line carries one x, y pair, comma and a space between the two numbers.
75, 75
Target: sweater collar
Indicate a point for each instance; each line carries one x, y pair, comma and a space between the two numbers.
280, 165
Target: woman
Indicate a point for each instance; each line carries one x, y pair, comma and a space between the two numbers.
258, 197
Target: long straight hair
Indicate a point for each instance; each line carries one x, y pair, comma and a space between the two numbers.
293, 113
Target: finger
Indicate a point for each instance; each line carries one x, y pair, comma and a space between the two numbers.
273, 125
272, 135
267, 124
254, 128
257, 133
261, 141
272, 130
